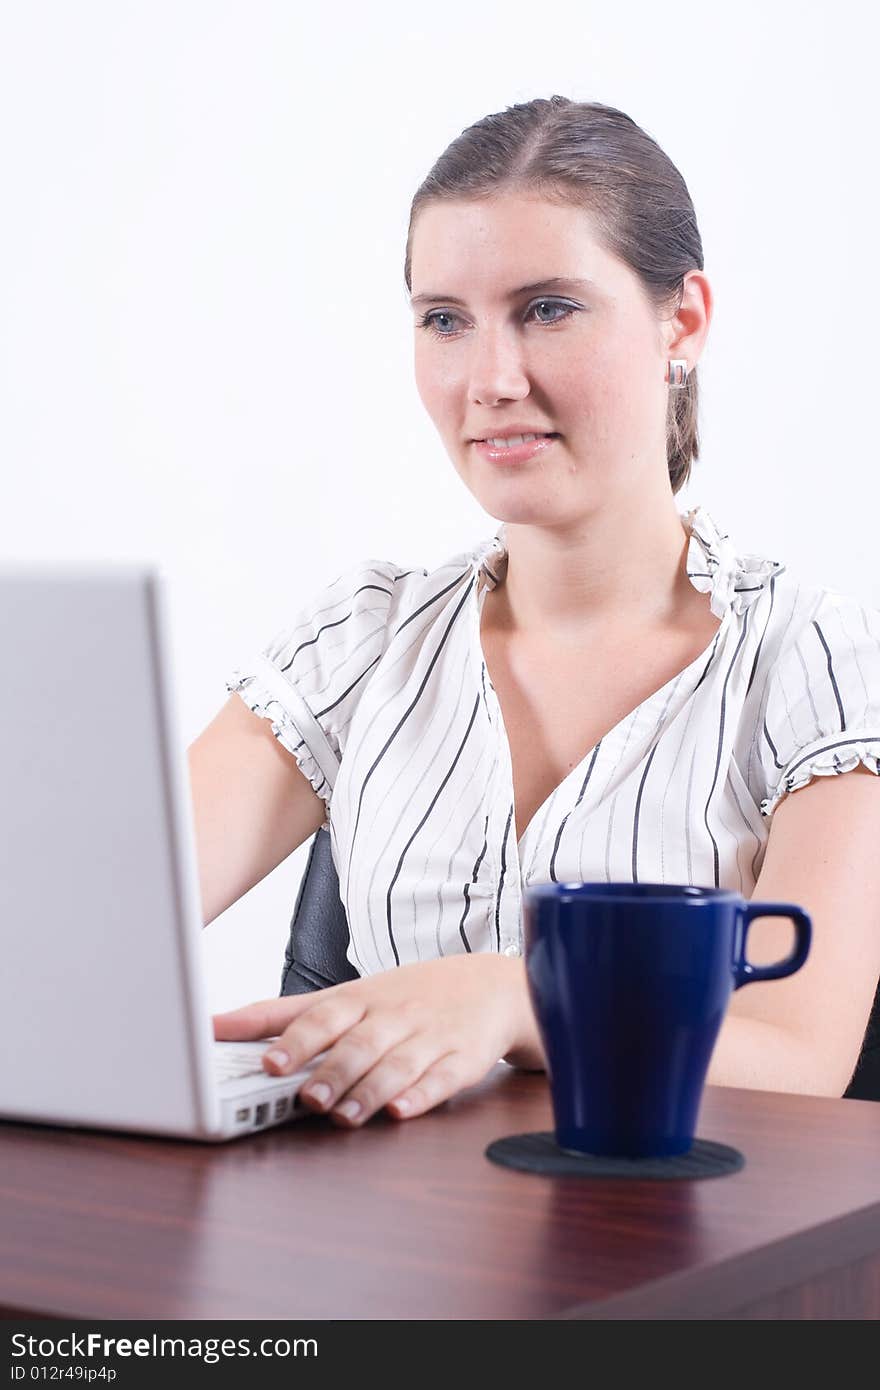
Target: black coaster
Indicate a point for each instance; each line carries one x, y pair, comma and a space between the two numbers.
539, 1153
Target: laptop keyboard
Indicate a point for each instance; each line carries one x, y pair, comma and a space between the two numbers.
233, 1063
230, 1065
237, 1062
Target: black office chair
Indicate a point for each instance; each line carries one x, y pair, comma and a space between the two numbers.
315, 956
865, 1084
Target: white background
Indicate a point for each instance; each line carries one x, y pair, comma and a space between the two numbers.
205, 348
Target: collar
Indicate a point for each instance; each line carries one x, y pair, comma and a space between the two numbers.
713, 562
716, 567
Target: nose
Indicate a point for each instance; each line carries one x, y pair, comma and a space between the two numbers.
497, 367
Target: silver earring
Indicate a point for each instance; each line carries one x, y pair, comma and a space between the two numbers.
678, 371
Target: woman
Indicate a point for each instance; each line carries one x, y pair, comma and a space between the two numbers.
606, 689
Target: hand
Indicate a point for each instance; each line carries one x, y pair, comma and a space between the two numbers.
407, 1038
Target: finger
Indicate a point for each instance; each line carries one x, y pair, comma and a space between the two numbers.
442, 1079
262, 1019
372, 1062
315, 1030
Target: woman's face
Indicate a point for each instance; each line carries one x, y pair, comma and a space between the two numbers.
586, 361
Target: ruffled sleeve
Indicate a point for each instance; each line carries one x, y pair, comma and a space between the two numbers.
310, 677
822, 712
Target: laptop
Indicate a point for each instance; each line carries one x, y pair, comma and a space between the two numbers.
104, 1020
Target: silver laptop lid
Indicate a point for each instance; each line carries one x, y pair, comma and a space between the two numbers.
103, 1013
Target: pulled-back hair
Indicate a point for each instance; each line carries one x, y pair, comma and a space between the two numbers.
595, 157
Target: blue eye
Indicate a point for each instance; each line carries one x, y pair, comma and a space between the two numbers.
427, 321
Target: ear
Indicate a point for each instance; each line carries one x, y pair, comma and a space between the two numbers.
686, 332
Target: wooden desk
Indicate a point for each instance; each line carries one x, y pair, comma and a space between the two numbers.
409, 1219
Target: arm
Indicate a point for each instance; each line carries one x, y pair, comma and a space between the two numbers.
252, 806
803, 1033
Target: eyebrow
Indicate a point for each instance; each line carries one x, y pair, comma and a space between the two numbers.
558, 282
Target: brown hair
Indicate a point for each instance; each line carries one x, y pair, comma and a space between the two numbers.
594, 157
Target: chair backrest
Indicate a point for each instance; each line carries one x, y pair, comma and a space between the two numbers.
865, 1083
316, 956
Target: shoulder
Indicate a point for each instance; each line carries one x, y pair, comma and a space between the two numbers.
370, 599
820, 689
422, 593
361, 596
797, 620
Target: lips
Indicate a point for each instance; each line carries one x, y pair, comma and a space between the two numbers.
515, 453
514, 434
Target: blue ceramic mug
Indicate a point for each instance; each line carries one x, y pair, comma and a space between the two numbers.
629, 983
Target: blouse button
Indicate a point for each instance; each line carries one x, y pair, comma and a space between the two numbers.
512, 950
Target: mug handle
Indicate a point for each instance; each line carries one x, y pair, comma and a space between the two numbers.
746, 973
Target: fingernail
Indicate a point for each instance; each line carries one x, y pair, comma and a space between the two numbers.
319, 1092
281, 1059
349, 1108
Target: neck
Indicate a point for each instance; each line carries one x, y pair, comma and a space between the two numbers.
622, 568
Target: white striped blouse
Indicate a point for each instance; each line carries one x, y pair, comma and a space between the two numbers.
379, 688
